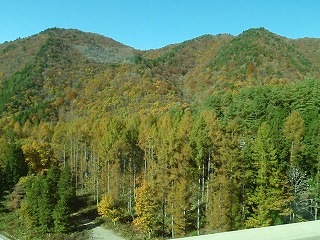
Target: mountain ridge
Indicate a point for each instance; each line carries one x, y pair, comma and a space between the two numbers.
63, 69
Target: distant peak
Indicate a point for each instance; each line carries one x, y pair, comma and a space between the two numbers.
253, 31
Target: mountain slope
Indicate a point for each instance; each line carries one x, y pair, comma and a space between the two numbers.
47, 75
258, 55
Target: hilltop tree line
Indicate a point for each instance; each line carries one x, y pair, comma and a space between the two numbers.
243, 159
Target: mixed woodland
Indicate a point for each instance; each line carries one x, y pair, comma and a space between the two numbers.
214, 134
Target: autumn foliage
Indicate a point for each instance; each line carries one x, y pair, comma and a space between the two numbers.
214, 134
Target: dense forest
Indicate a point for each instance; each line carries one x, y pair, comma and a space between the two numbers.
213, 134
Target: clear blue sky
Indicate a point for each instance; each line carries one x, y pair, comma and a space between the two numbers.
147, 24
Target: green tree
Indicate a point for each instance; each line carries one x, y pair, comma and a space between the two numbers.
48, 198
15, 166
2, 183
314, 194
63, 208
269, 197
29, 210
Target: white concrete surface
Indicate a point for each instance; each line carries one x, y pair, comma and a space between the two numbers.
99, 233
296, 231
3, 237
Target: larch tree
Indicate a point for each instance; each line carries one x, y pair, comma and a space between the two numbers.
164, 171
108, 209
146, 209
219, 187
183, 195
202, 147
294, 130
227, 180
147, 142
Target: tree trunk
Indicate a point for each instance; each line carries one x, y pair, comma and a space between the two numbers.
108, 176
199, 196
208, 180
172, 221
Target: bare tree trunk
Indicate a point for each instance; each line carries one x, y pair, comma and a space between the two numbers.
134, 181
76, 154
129, 188
172, 220
163, 212
185, 221
203, 180
199, 196
208, 180
145, 168
97, 177
108, 176
64, 155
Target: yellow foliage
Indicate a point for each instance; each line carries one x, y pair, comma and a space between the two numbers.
145, 208
107, 209
38, 155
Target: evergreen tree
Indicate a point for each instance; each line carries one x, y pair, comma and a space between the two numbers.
269, 197
2, 183
29, 210
44, 208
314, 194
63, 208
15, 166
48, 198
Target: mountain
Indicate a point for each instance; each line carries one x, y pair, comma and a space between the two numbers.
191, 131
47, 75
260, 56
56, 63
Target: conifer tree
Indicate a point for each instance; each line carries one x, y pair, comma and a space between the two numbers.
314, 194
269, 197
48, 198
15, 166
146, 209
219, 194
30, 210
202, 146
182, 192
294, 131
147, 141
44, 208
63, 208
2, 183
108, 209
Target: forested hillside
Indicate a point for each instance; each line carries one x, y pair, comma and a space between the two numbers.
213, 134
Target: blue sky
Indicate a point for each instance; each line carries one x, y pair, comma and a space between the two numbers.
149, 24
